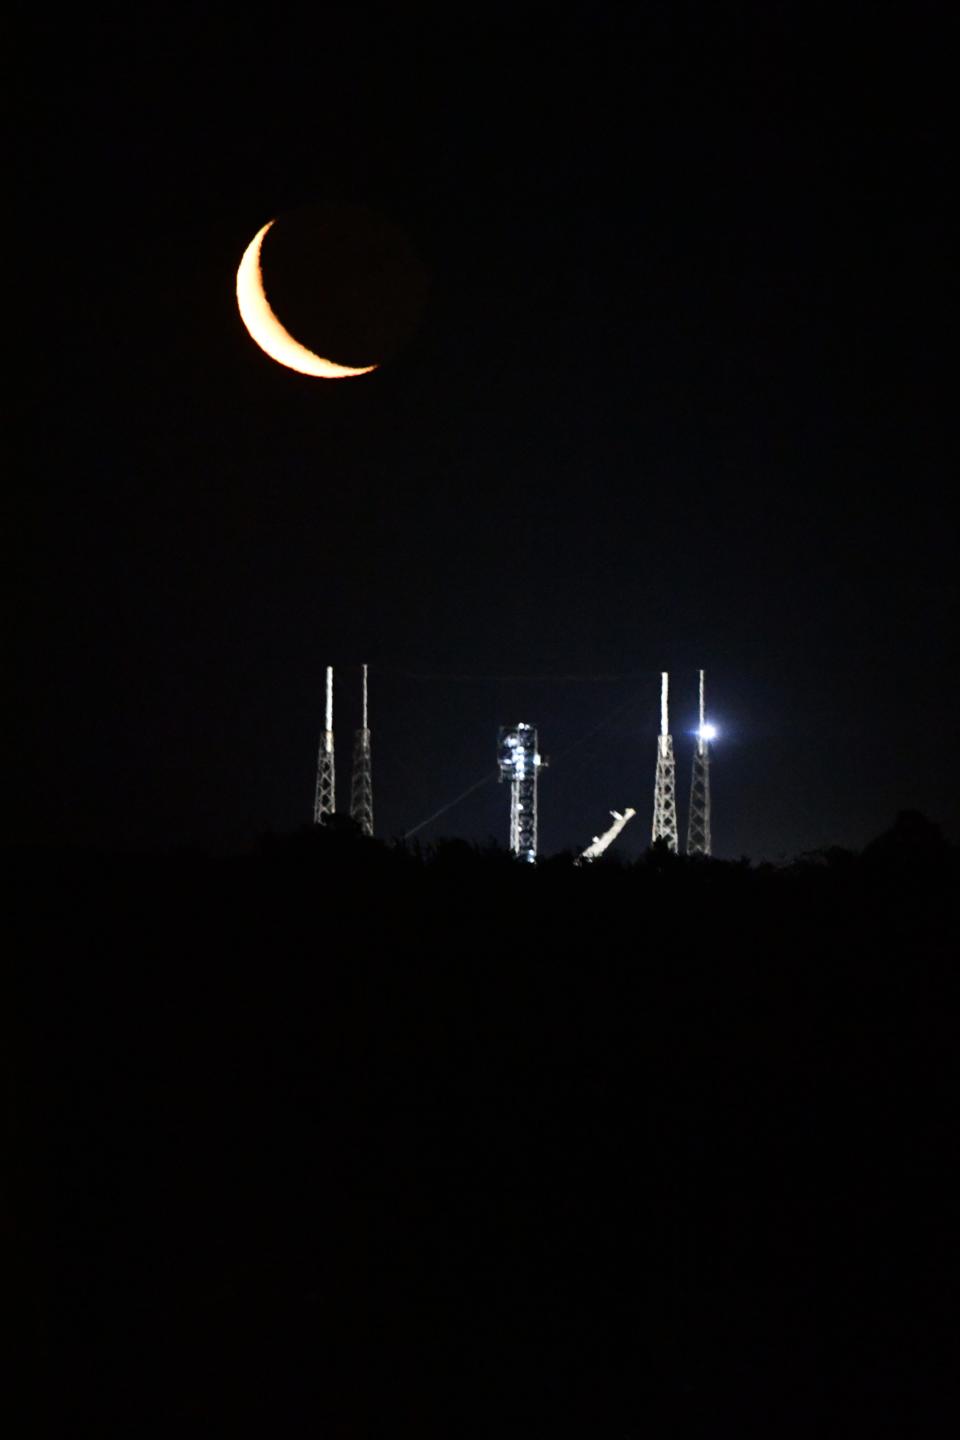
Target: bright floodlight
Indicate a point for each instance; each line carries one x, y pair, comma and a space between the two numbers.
708, 732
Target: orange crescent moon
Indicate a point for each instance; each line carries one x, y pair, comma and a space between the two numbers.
265, 328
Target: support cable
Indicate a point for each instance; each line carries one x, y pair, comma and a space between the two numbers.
484, 779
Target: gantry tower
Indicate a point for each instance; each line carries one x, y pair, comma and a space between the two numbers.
361, 783
698, 824
665, 790
520, 762
325, 800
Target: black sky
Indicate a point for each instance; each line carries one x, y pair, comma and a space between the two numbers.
678, 397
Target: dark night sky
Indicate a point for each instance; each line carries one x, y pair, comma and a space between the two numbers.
677, 398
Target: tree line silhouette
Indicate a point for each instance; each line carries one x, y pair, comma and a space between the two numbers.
355, 1139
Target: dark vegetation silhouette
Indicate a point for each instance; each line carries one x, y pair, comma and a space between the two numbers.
349, 1139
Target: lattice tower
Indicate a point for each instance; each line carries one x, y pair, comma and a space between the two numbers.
698, 823
665, 789
361, 783
520, 762
325, 799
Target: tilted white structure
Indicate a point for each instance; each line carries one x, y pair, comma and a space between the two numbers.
604, 841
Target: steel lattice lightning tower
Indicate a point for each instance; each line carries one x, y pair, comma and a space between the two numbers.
361, 784
325, 801
520, 762
665, 791
698, 825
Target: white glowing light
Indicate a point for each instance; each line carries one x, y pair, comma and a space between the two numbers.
266, 329
708, 732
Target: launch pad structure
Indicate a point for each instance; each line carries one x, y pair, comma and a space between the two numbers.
361, 783
520, 762
698, 819
325, 797
665, 788
602, 843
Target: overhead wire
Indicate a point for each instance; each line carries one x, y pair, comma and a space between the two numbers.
537, 679
492, 774
588, 734
484, 779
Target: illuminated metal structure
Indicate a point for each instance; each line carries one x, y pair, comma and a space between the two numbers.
604, 841
698, 823
325, 800
361, 783
665, 790
520, 762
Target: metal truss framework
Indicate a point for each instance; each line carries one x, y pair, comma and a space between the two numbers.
520, 762
325, 799
665, 789
698, 821
361, 784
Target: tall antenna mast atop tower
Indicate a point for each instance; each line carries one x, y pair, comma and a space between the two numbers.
698, 825
361, 784
325, 800
665, 790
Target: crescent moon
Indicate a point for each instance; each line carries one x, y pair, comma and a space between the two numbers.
265, 328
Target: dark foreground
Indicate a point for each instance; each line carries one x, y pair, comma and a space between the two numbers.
337, 1142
